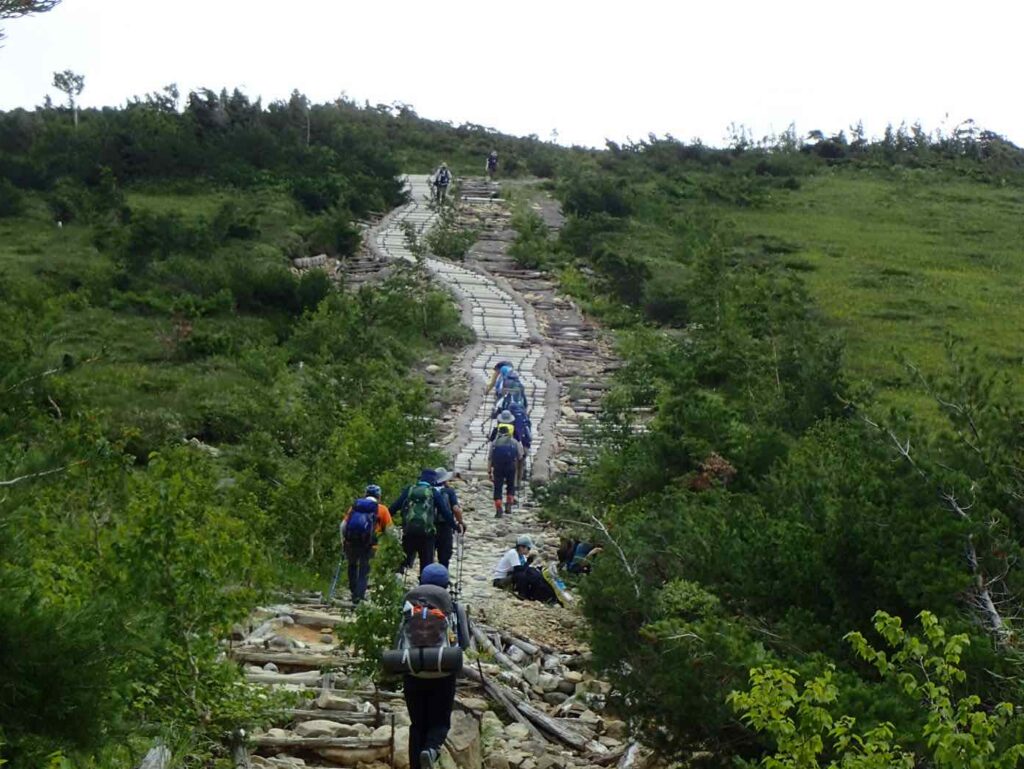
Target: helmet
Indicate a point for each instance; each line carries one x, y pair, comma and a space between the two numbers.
506, 416
434, 574
523, 540
506, 370
373, 490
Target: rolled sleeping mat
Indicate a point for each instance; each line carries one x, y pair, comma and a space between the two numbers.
424, 661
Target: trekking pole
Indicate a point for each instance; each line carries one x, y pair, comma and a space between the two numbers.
337, 571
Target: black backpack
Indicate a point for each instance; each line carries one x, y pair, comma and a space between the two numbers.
444, 176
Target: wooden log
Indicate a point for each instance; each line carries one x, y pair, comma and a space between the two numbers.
500, 695
500, 656
291, 659
551, 726
312, 743
309, 678
339, 716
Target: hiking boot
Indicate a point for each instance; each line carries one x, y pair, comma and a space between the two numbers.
428, 758
498, 514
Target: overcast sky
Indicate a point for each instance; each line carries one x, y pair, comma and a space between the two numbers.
592, 70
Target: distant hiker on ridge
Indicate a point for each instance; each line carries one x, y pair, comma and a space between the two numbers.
492, 164
442, 178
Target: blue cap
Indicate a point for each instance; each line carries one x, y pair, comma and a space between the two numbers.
428, 475
434, 574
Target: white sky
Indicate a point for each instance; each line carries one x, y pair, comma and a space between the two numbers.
591, 70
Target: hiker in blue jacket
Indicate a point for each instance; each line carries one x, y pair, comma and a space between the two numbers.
422, 506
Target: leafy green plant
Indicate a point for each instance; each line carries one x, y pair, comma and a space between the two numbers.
957, 731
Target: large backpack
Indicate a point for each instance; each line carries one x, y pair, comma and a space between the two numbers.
523, 427
505, 450
427, 643
419, 513
362, 522
443, 177
515, 394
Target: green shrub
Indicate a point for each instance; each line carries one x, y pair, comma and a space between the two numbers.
12, 200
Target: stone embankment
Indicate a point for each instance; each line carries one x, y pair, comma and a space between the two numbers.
531, 704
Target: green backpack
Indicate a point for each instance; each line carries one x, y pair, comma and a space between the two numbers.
418, 513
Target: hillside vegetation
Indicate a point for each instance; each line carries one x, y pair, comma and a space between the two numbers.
821, 520
186, 418
780, 307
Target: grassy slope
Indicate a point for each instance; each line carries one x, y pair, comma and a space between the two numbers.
898, 261
129, 369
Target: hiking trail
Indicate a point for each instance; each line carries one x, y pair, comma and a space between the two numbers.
536, 677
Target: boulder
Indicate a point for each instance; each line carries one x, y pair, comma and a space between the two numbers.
615, 728
354, 756
496, 761
532, 674
402, 747
464, 741
321, 727
517, 731
331, 701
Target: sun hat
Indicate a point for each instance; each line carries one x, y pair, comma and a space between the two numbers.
443, 474
506, 416
523, 540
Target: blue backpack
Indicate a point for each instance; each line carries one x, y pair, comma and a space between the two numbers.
522, 425
362, 522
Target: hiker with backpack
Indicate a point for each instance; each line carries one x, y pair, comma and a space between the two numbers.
522, 427
511, 392
422, 505
364, 522
431, 639
577, 556
503, 462
501, 368
442, 178
492, 164
444, 541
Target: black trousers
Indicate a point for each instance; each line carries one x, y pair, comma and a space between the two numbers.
445, 544
418, 544
505, 475
430, 712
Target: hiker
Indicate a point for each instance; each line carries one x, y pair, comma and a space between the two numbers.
512, 392
492, 164
577, 556
422, 506
497, 373
503, 467
522, 427
364, 522
444, 542
430, 700
442, 178
518, 556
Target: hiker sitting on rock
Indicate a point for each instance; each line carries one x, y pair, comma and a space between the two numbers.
364, 522
518, 556
422, 506
503, 463
444, 541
